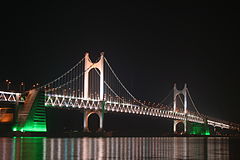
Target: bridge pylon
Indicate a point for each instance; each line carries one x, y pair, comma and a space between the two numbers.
177, 92
89, 65
87, 113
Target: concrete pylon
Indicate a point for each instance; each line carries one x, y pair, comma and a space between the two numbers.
178, 92
175, 94
88, 66
87, 113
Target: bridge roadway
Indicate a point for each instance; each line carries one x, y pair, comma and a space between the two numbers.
114, 106
10, 96
89, 77
117, 106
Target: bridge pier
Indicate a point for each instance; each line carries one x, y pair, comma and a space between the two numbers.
176, 122
177, 92
87, 113
89, 65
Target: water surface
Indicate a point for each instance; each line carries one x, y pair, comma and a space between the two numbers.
119, 148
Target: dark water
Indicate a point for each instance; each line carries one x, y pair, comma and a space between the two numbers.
119, 148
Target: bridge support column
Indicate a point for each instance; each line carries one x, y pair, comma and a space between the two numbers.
88, 66
175, 123
178, 92
85, 120
175, 94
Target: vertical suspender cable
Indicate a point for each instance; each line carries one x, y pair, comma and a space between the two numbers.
193, 103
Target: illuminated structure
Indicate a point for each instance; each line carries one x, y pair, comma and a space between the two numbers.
8, 101
10, 97
95, 88
31, 117
175, 94
89, 65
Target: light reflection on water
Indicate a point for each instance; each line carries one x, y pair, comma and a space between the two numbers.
114, 148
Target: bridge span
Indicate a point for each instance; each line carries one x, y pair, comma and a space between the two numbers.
94, 87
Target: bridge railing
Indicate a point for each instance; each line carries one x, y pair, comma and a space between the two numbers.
161, 111
10, 97
222, 123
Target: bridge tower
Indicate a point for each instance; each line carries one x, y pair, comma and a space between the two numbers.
177, 92
89, 65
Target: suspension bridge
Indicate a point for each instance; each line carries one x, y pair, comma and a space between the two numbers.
95, 88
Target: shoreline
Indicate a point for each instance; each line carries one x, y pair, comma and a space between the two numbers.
100, 134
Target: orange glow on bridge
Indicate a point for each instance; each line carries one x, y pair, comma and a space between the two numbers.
5, 117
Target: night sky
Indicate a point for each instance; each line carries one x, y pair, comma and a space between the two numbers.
150, 46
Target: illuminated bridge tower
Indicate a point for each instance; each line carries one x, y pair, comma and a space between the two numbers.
89, 65
175, 94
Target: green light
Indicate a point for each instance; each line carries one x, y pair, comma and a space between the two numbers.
199, 129
14, 128
30, 127
36, 146
207, 133
33, 137
36, 119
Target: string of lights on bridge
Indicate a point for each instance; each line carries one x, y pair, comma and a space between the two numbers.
85, 85
13, 86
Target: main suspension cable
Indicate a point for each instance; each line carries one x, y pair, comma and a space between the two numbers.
193, 103
62, 74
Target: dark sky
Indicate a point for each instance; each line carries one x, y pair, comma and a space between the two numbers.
151, 46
